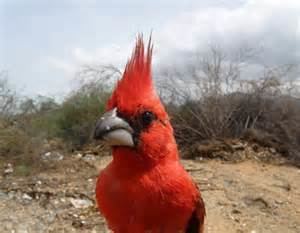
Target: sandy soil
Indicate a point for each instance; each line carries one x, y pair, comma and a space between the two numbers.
242, 197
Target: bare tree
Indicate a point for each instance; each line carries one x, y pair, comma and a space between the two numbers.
211, 98
8, 96
200, 88
102, 74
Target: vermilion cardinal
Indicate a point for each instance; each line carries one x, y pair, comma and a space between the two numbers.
144, 188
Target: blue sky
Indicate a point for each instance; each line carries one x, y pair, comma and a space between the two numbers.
44, 43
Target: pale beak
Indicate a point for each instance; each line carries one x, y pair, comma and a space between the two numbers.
114, 130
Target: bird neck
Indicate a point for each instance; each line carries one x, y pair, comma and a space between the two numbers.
128, 161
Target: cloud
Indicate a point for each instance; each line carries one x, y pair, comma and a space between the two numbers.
76, 57
270, 24
62, 65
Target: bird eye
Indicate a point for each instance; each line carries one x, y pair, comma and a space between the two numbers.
147, 117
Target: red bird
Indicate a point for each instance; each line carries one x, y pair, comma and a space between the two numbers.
144, 188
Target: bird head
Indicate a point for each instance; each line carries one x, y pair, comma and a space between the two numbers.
136, 123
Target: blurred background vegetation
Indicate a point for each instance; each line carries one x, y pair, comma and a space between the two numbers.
209, 99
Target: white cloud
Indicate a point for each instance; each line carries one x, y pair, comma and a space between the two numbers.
271, 24
76, 57
62, 65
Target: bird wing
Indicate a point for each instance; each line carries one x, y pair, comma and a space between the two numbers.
196, 221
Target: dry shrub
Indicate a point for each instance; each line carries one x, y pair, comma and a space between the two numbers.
8, 97
31, 127
19, 149
233, 150
75, 118
214, 102
72, 120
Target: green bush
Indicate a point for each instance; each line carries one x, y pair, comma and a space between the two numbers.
75, 119
15, 141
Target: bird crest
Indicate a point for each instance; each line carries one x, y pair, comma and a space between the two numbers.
135, 88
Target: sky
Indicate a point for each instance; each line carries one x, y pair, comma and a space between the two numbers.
44, 43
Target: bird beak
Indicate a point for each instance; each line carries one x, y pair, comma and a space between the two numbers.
114, 130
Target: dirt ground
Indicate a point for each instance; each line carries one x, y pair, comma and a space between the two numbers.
241, 197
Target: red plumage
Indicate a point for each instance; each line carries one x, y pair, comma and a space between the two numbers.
135, 89
145, 188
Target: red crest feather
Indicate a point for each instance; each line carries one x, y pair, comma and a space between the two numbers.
135, 88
